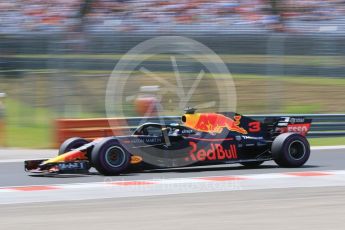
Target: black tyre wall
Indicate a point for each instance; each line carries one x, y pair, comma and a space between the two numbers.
71, 143
281, 147
99, 154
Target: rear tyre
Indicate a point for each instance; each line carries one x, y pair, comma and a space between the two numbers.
109, 157
290, 150
252, 164
71, 143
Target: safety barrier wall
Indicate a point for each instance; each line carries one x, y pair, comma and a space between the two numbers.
324, 125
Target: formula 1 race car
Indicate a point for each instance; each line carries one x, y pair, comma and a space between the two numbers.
200, 139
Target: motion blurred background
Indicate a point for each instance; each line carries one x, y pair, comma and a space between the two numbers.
285, 56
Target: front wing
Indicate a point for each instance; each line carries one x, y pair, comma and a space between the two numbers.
37, 166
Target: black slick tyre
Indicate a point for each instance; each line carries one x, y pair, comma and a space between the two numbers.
290, 150
109, 157
71, 143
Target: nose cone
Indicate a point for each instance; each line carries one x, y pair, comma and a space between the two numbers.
190, 120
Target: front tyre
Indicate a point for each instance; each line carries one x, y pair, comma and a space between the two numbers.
109, 157
290, 150
71, 144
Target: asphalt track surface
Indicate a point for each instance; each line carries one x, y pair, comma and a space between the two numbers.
12, 173
299, 208
270, 200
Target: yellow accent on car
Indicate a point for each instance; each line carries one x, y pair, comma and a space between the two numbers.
136, 159
60, 158
191, 120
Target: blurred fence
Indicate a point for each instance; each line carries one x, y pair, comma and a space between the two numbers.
323, 125
260, 43
66, 74
28, 52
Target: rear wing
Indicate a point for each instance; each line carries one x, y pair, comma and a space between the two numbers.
279, 125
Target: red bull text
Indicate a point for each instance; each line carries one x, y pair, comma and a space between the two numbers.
214, 152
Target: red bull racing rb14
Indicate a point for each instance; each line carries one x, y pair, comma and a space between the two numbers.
199, 139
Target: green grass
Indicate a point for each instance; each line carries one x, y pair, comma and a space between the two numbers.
301, 109
327, 141
37, 132
27, 126
30, 127
298, 80
28, 137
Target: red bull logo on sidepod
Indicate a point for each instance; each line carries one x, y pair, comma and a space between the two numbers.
212, 122
214, 152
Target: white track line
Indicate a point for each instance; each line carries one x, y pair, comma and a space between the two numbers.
327, 147
15, 160
201, 179
156, 187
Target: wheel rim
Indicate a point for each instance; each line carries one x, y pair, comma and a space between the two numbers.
297, 150
115, 156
